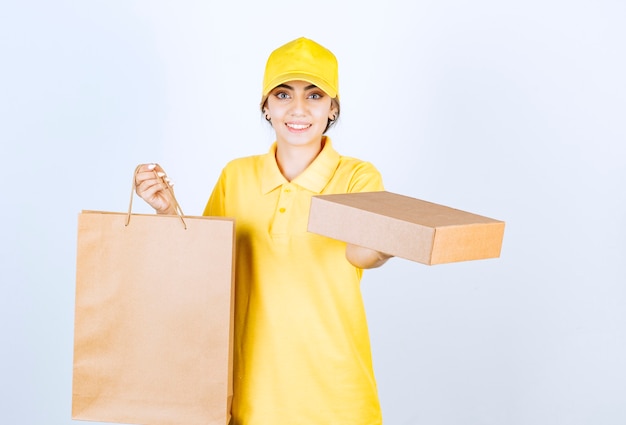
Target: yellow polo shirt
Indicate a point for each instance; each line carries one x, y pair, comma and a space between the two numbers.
302, 351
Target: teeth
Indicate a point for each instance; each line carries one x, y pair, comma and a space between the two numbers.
298, 126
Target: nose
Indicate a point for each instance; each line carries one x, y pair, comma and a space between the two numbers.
298, 105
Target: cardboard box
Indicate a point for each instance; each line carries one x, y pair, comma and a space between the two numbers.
406, 227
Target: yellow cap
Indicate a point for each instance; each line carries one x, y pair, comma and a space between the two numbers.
302, 59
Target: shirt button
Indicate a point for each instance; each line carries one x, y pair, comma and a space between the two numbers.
282, 210
287, 190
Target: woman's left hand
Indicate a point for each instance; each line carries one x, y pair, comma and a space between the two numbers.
365, 258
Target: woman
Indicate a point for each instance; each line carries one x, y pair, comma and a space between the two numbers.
302, 352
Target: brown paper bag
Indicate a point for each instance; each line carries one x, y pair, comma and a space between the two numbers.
153, 319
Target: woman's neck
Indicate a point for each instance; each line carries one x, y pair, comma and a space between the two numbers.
293, 160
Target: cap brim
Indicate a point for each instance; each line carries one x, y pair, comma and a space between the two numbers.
299, 76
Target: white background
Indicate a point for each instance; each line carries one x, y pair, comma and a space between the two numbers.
513, 110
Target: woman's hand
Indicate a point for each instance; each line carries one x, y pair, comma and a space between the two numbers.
365, 258
151, 184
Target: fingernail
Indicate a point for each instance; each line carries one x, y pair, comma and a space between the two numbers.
151, 167
160, 173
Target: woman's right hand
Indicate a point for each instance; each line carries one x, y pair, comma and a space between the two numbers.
151, 184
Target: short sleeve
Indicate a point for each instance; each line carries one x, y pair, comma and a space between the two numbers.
366, 178
215, 206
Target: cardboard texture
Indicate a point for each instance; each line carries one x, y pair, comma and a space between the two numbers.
406, 227
153, 319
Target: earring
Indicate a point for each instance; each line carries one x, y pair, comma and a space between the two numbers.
267, 118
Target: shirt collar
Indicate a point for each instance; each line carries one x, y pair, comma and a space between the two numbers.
314, 178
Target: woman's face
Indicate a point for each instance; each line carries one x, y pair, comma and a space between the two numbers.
299, 112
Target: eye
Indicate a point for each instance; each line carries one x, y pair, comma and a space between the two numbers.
282, 95
315, 96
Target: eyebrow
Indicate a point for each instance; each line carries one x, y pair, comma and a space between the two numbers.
285, 86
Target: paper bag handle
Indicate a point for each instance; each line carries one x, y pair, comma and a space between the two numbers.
177, 208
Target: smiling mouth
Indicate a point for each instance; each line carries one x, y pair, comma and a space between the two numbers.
298, 126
